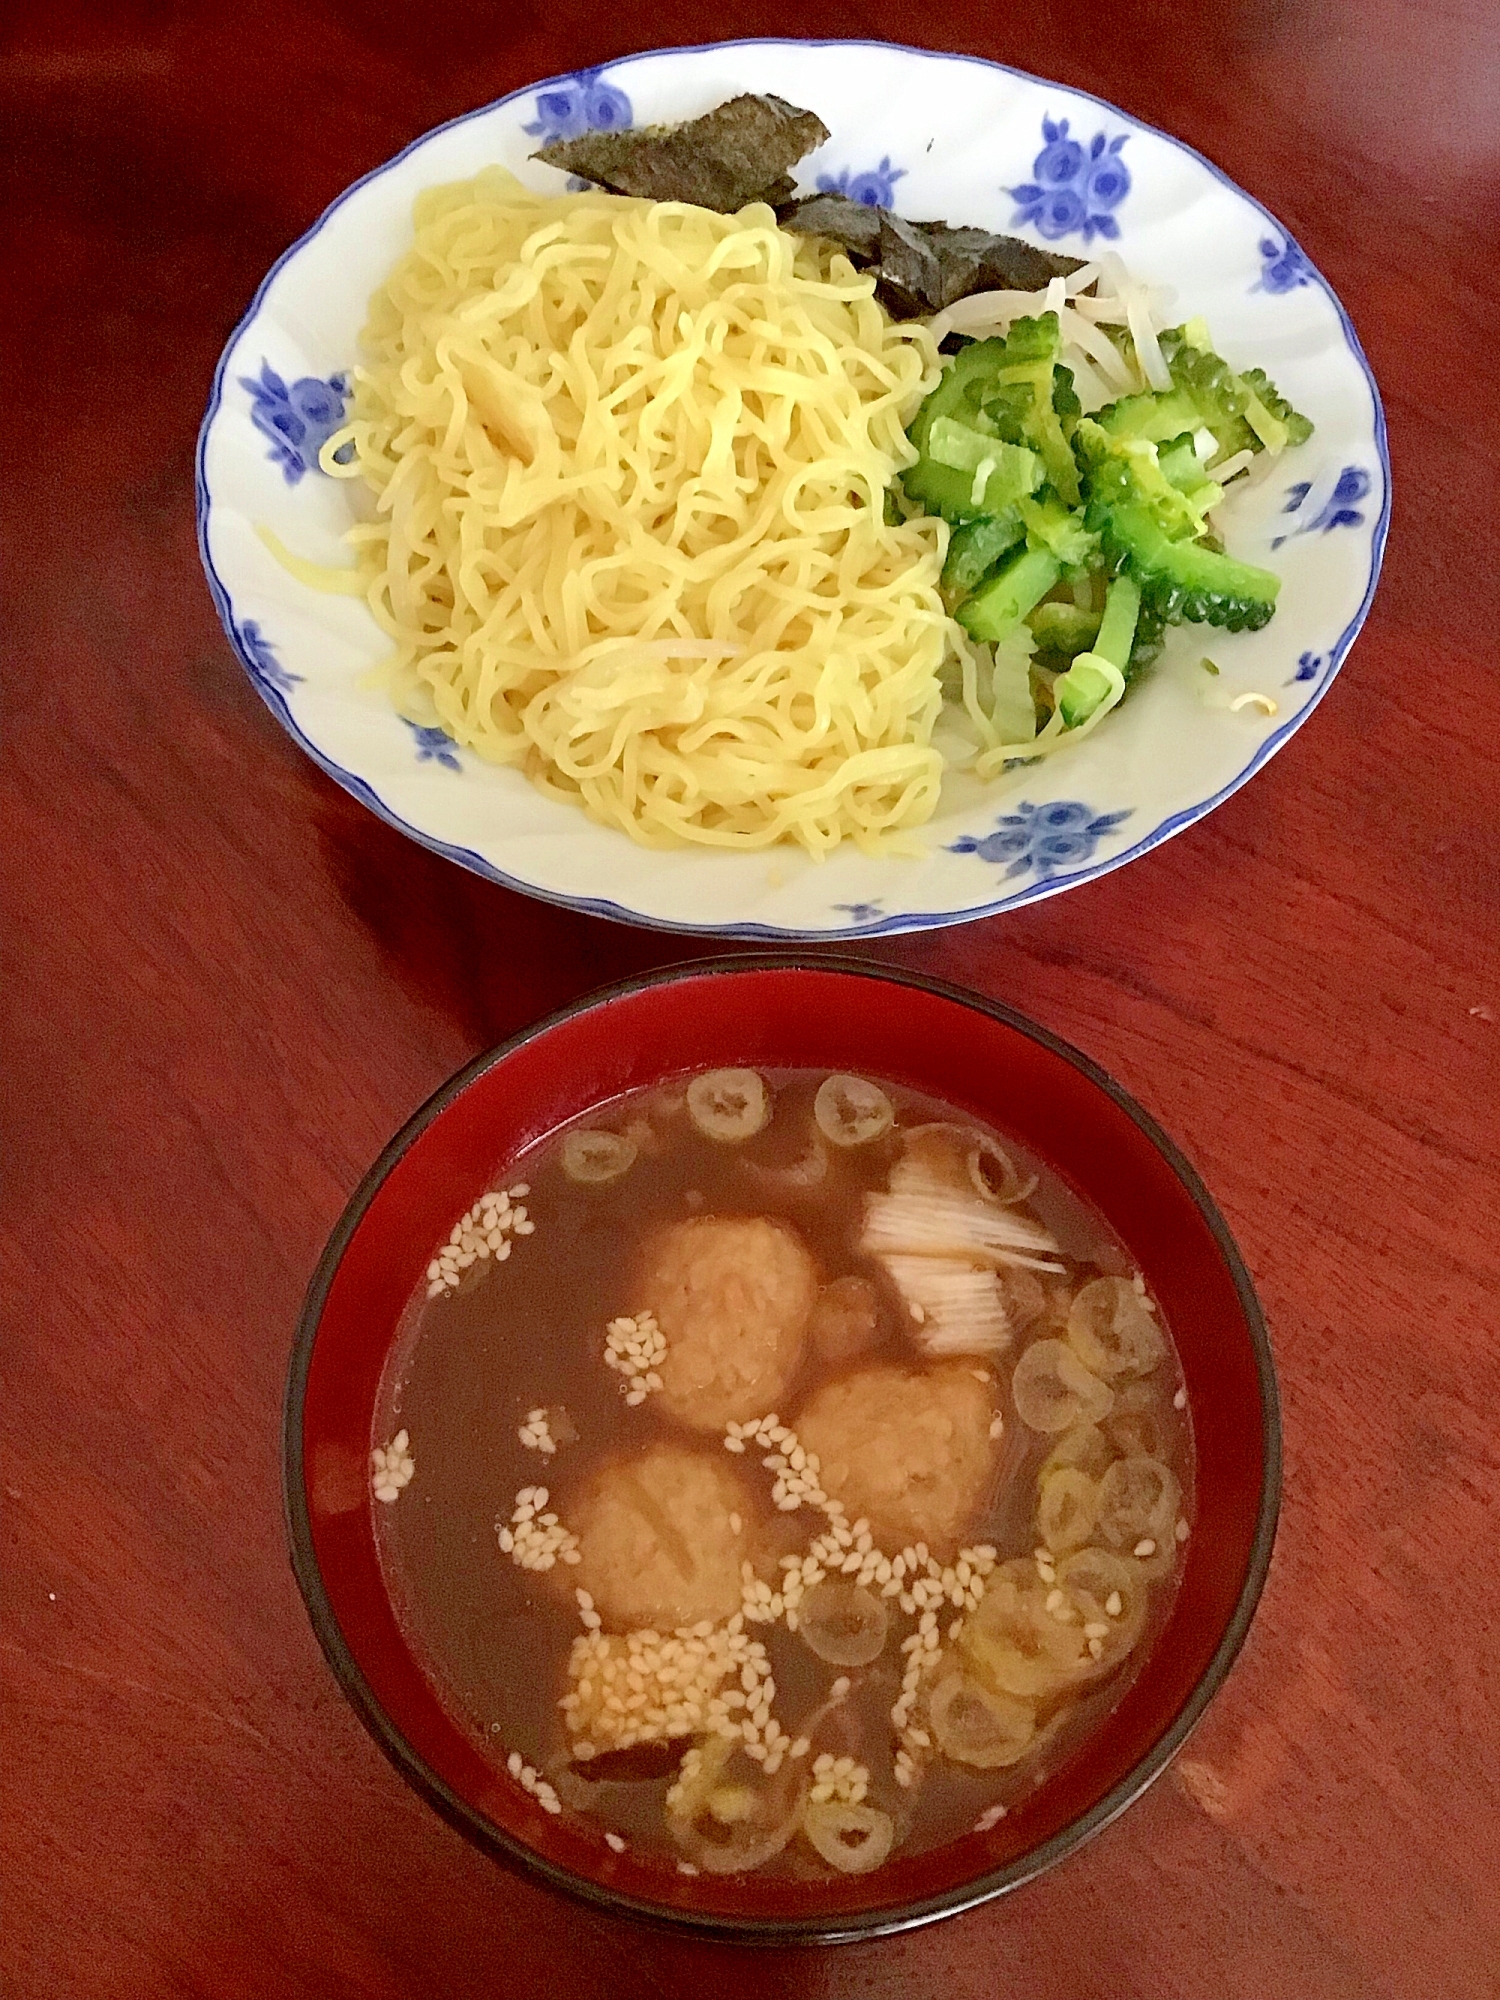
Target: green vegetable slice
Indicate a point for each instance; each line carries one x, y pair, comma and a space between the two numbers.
1183, 579
1154, 416
1024, 396
1060, 530
998, 605
975, 548
1098, 676
999, 474
1064, 628
1297, 427
943, 489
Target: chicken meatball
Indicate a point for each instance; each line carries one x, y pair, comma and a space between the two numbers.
908, 1449
661, 1538
732, 1296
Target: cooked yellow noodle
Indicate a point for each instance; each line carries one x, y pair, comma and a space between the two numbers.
630, 461
317, 576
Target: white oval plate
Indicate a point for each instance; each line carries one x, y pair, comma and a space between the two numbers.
934, 136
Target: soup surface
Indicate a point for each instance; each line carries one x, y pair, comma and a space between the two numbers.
781, 1470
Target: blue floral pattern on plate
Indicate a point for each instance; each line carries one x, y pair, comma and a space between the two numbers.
875, 188
1043, 840
260, 656
1309, 666
1075, 188
434, 746
299, 418
1339, 510
860, 913
1283, 267
576, 104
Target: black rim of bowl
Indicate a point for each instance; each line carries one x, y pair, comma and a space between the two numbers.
879, 1922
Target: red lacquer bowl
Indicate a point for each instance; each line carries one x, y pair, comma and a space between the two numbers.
770, 1011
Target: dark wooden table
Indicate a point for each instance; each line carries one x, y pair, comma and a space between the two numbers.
227, 984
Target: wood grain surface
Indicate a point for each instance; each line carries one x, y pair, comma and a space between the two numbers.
227, 984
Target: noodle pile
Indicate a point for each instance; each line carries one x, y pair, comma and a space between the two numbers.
631, 461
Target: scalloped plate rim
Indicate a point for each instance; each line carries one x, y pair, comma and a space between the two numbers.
901, 922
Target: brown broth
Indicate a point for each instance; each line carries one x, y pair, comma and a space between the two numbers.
528, 1332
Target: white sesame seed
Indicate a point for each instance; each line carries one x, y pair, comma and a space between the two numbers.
480, 1233
1182, 1531
633, 1344
1145, 1546
1179, 1401
391, 1468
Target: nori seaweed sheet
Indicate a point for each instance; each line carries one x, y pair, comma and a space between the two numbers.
744, 151
739, 153
922, 267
